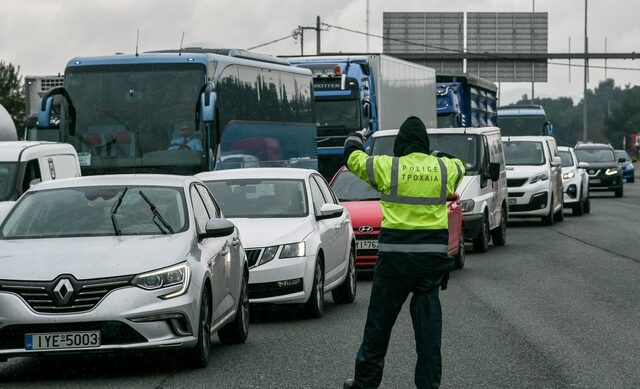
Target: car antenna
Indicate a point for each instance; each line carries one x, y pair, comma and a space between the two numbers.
181, 40
137, 41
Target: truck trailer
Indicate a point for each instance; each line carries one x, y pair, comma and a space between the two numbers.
374, 91
465, 100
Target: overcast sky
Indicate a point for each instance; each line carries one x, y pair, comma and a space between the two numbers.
40, 36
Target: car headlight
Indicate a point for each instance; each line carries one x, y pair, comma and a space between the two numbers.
568, 175
163, 278
268, 254
293, 250
467, 205
611, 172
539, 177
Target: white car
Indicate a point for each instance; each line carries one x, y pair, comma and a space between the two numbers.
534, 177
299, 241
121, 262
575, 181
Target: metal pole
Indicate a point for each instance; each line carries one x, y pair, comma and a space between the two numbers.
605, 58
533, 65
367, 26
318, 35
586, 75
569, 59
301, 41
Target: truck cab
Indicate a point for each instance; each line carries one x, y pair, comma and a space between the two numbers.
26, 163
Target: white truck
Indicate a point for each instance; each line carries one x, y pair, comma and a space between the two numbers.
26, 163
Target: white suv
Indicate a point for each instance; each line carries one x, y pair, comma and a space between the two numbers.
534, 177
575, 181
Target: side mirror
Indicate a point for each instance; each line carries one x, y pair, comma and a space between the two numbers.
208, 106
494, 171
583, 165
556, 161
217, 228
329, 211
621, 160
44, 112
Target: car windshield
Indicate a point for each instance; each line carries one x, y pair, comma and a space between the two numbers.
523, 153
348, 187
97, 211
567, 158
7, 178
260, 198
621, 154
463, 146
595, 155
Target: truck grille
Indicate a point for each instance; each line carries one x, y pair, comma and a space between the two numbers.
72, 297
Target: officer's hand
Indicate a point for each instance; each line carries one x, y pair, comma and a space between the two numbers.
363, 133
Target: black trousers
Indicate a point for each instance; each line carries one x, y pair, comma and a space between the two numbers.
388, 294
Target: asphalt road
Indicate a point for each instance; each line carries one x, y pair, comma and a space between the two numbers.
557, 307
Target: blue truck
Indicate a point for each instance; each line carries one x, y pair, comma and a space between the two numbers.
374, 91
465, 100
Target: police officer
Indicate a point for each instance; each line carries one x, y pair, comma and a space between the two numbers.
412, 250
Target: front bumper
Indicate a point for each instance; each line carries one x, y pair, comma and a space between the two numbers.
127, 318
602, 181
572, 190
472, 225
367, 249
287, 280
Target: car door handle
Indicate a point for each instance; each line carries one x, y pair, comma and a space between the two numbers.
235, 241
224, 251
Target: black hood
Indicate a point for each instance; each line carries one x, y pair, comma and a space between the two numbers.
412, 138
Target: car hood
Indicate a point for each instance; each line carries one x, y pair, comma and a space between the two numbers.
264, 232
364, 213
90, 257
462, 187
602, 165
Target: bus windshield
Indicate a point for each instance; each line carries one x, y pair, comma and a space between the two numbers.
135, 117
522, 125
247, 144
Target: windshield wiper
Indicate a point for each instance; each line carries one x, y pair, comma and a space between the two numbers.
156, 214
114, 209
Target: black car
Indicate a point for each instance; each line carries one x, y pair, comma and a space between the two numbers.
605, 173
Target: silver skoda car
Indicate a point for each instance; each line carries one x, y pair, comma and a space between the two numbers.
122, 262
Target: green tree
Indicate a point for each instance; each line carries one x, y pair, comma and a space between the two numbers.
624, 118
11, 95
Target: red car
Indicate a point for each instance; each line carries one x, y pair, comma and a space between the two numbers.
363, 203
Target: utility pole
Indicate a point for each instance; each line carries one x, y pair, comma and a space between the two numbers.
533, 64
318, 35
300, 31
586, 76
368, 26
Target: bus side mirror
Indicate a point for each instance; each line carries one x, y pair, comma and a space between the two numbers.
208, 106
44, 111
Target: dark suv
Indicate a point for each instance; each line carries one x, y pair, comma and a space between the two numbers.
604, 170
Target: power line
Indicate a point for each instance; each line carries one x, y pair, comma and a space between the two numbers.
273, 41
491, 55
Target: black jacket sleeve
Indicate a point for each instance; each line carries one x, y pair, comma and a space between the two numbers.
354, 142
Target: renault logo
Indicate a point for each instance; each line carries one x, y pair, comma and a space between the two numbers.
365, 229
63, 291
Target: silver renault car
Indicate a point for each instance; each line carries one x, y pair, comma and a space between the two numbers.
122, 262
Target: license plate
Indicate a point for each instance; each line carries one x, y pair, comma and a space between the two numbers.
62, 340
367, 244
512, 201
594, 181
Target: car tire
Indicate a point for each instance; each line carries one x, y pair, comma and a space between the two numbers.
578, 209
559, 216
499, 234
587, 205
461, 256
198, 356
346, 292
481, 242
314, 307
548, 220
238, 330
619, 192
